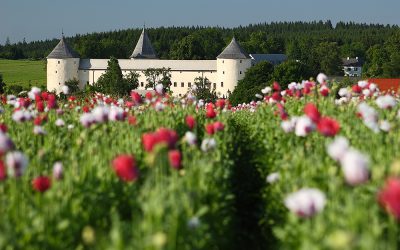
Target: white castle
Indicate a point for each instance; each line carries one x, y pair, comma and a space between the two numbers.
64, 64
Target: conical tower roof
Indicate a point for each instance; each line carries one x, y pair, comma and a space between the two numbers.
233, 51
63, 50
144, 49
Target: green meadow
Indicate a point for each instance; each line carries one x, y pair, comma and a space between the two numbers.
23, 72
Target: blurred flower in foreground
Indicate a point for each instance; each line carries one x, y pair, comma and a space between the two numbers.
16, 163
125, 167
58, 170
208, 144
306, 202
338, 148
175, 159
41, 184
389, 197
386, 102
355, 167
304, 126
273, 177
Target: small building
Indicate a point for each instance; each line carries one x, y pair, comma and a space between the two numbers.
352, 67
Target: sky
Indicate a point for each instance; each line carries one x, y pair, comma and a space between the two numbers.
44, 19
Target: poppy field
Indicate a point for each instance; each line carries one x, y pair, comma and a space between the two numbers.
313, 166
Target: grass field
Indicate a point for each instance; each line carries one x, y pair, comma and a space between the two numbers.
23, 72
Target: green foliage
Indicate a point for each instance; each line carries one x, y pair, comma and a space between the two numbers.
203, 89
155, 76
291, 71
73, 86
2, 84
132, 80
326, 56
112, 82
14, 89
187, 48
256, 78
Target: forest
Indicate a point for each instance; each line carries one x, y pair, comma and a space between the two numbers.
319, 44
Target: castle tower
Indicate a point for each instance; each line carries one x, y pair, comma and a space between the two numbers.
232, 64
62, 66
144, 49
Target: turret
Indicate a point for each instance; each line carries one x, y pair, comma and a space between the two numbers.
144, 49
232, 64
62, 66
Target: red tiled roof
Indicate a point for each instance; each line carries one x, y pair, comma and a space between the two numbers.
386, 84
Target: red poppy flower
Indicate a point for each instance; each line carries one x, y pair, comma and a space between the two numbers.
136, 98
3, 171
356, 89
220, 103
41, 183
324, 92
389, 197
51, 101
175, 158
211, 113
149, 140
132, 120
276, 86
149, 95
3, 127
210, 128
125, 167
218, 126
190, 121
276, 96
162, 135
328, 126
312, 112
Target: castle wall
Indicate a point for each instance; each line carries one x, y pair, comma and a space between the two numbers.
230, 71
183, 72
59, 71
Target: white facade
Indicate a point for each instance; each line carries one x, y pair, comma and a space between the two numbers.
355, 71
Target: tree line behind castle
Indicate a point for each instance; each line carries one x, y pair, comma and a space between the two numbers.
319, 45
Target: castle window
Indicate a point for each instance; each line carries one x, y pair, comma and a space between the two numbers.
180, 95
84, 71
141, 84
87, 82
58, 62
222, 61
240, 61
223, 72
75, 62
222, 84
240, 72
175, 84
182, 84
56, 71
180, 72
189, 84
215, 85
